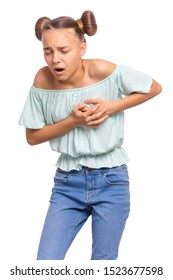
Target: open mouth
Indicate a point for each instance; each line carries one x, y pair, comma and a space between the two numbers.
59, 70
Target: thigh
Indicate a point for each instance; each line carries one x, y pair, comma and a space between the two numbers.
110, 212
65, 217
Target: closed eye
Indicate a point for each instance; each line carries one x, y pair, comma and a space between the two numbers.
64, 52
47, 51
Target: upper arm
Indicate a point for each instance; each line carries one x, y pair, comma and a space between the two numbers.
133, 81
42, 78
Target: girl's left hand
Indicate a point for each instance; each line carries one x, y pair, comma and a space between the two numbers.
108, 106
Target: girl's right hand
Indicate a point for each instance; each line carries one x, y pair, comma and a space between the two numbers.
87, 116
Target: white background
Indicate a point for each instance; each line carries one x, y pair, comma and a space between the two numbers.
131, 32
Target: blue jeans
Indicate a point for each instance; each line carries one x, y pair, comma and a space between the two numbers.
102, 193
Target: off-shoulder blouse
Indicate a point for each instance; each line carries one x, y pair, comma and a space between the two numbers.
85, 146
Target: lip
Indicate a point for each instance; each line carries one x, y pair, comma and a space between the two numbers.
59, 70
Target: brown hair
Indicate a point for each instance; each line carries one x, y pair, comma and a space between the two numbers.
86, 24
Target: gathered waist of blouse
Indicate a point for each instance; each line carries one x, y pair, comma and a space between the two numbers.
110, 159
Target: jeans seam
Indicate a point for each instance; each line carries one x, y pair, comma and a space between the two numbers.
69, 237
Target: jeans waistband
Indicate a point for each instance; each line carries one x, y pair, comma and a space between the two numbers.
86, 169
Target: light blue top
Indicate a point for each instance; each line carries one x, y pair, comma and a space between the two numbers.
85, 146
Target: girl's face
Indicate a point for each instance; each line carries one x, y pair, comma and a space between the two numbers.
62, 52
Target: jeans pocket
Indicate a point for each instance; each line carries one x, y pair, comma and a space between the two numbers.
61, 176
117, 178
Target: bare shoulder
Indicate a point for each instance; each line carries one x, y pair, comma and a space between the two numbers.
100, 68
43, 78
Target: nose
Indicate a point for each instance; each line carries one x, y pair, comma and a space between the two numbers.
56, 58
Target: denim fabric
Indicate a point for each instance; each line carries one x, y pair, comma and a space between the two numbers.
102, 193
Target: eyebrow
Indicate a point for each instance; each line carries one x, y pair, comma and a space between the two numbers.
60, 48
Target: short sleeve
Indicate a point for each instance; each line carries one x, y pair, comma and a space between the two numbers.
32, 115
130, 81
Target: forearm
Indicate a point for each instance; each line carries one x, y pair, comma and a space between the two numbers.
128, 102
131, 100
49, 132
135, 99
77, 118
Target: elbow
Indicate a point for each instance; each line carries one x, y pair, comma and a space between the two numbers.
159, 89
30, 137
31, 141
156, 89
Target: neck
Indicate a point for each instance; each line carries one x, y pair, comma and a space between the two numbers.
75, 80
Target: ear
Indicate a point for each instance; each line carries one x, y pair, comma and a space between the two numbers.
83, 48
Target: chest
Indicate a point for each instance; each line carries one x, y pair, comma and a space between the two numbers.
58, 105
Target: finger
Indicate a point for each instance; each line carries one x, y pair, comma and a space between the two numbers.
95, 117
79, 107
90, 110
92, 101
97, 122
94, 108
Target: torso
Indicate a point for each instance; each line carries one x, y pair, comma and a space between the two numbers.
95, 70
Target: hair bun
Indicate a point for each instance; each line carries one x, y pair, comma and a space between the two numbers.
80, 24
39, 26
87, 23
